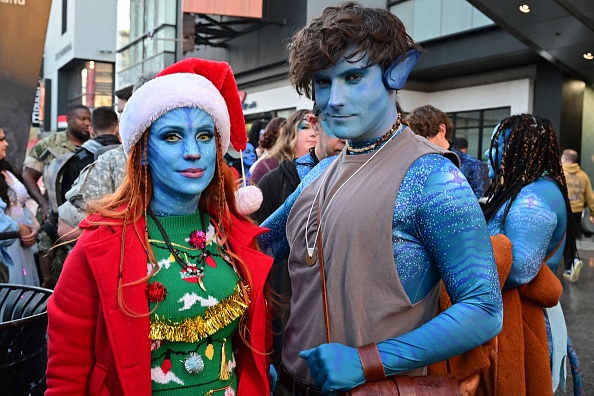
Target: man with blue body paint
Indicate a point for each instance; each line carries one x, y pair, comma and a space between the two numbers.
392, 214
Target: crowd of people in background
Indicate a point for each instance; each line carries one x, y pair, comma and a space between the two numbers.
413, 200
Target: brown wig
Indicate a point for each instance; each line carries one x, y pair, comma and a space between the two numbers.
129, 203
531, 150
270, 134
425, 121
346, 30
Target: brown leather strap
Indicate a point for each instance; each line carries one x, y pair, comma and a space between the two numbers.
323, 276
371, 362
406, 385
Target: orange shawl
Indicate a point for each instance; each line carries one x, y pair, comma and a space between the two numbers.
520, 352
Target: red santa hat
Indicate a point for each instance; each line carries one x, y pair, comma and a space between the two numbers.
192, 82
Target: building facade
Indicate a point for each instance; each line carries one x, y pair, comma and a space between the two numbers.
472, 68
79, 57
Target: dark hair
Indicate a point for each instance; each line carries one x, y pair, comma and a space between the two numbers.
143, 79
124, 93
460, 143
104, 119
346, 30
72, 109
4, 187
530, 150
254, 133
270, 134
425, 121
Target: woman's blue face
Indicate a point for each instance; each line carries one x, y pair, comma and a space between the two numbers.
494, 168
182, 157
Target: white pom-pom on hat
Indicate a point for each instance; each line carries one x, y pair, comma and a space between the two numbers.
248, 199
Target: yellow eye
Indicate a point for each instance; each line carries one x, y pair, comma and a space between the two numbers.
172, 138
205, 137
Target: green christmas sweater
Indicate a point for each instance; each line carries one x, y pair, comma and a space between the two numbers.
195, 310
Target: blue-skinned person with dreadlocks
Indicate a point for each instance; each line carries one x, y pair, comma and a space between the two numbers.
528, 203
393, 216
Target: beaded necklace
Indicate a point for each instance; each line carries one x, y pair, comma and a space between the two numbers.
373, 145
197, 240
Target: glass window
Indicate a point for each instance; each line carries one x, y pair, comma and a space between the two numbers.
149, 53
406, 12
477, 127
158, 62
163, 40
456, 16
137, 27
159, 13
427, 19
430, 19
64, 16
479, 19
103, 84
129, 76
123, 23
150, 15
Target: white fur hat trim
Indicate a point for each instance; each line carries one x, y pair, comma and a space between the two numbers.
169, 92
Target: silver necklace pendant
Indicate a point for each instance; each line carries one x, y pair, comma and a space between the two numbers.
311, 256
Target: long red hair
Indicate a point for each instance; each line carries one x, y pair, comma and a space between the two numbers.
129, 203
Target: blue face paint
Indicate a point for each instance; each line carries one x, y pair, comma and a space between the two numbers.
494, 167
249, 155
182, 158
353, 100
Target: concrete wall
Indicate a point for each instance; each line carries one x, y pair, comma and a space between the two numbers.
91, 27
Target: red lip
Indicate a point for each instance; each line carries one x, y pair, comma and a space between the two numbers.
192, 173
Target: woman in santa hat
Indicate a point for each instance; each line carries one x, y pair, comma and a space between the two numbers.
164, 290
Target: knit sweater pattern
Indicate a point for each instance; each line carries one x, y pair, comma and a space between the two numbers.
195, 310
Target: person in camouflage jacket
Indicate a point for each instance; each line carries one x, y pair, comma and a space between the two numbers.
97, 180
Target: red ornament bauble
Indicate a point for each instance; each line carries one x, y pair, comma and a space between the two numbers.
198, 239
210, 262
156, 292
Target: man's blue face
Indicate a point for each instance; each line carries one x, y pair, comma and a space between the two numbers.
494, 168
354, 101
182, 157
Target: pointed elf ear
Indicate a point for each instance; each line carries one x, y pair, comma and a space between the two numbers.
397, 73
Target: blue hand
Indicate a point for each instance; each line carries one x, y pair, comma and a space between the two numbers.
335, 367
273, 379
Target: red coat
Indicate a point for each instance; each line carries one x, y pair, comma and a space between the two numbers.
95, 348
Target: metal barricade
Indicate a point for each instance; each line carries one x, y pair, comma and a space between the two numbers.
23, 341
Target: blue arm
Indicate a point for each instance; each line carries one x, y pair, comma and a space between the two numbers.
274, 243
439, 233
529, 226
6, 224
453, 230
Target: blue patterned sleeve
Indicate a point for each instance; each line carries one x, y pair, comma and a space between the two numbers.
453, 230
274, 243
6, 225
529, 226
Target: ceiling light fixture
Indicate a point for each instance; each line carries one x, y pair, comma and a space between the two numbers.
588, 56
525, 8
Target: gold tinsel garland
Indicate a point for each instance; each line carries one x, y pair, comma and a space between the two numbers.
195, 329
